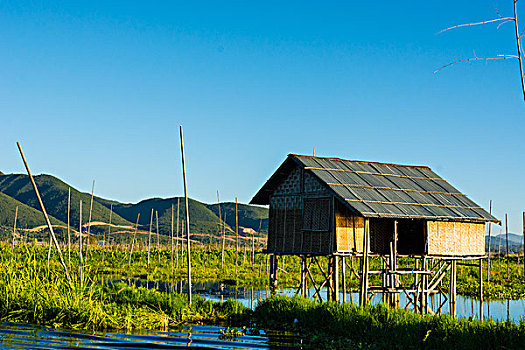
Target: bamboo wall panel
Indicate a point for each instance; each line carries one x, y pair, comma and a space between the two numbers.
455, 238
349, 230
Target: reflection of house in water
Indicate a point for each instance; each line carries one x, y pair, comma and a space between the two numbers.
334, 207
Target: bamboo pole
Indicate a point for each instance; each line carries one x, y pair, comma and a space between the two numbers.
14, 227
221, 230
109, 232
236, 235
158, 235
149, 235
51, 232
133, 240
81, 268
90, 212
171, 234
177, 242
68, 229
507, 244
488, 259
188, 250
253, 243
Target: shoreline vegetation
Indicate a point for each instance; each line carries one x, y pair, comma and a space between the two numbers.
32, 292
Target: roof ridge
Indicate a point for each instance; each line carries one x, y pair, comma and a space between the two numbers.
360, 161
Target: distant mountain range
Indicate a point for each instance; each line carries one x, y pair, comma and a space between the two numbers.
498, 243
16, 190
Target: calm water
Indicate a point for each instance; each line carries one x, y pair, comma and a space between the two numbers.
24, 336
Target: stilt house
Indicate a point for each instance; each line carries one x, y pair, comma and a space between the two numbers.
324, 206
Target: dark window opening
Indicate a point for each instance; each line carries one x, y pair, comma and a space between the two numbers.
316, 214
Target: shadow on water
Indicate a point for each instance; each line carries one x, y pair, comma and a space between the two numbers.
24, 336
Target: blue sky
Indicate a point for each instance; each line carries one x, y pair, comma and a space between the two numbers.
97, 90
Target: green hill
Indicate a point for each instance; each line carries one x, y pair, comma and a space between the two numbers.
250, 216
202, 219
54, 193
27, 217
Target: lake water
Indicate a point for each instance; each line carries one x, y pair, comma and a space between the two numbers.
24, 336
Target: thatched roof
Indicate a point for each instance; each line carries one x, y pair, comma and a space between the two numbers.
383, 190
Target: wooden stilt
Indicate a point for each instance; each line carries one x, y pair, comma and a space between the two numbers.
335, 276
364, 278
481, 289
343, 277
453, 276
273, 274
303, 276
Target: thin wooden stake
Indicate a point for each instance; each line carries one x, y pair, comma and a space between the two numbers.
81, 267
109, 232
171, 233
221, 230
68, 229
14, 226
524, 243
187, 214
488, 259
236, 235
158, 236
507, 241
149, 235
133, 240
52, 233
90, 212
177, 243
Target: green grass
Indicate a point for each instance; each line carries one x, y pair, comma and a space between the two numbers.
30, 292
345, 326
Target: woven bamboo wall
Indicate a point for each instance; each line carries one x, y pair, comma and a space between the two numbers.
349, 230
455, 238
286, 233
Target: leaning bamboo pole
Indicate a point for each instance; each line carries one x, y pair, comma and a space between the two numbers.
51, 232
188, 250
221, 230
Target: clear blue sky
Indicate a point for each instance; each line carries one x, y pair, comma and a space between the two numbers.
97, 90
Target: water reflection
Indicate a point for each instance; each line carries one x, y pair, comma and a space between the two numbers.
24, 336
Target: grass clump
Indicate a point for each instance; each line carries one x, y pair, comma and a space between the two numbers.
333, 325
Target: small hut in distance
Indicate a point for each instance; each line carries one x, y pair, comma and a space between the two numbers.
334, 207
